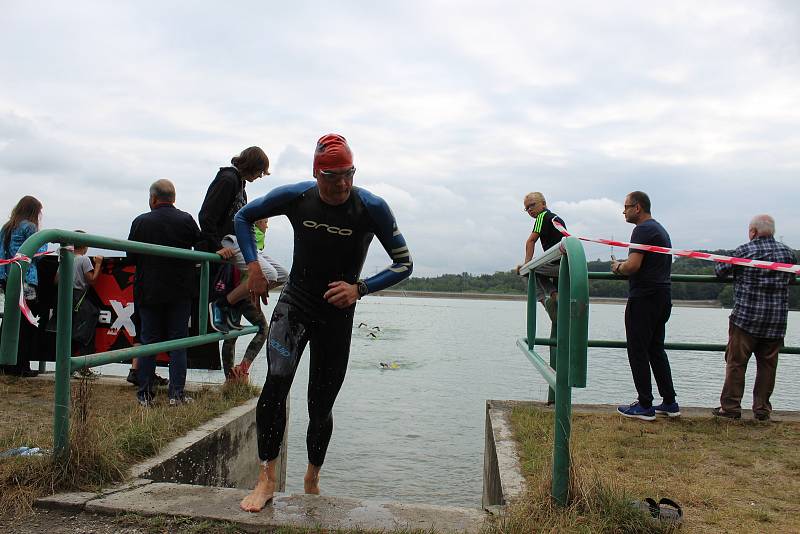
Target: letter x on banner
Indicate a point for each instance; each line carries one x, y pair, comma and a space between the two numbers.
745, 262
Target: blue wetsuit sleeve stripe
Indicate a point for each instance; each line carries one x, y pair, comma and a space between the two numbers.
273, 203
393, 242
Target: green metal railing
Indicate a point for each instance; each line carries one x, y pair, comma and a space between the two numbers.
567, 364
65, 362
691, 278
569, 341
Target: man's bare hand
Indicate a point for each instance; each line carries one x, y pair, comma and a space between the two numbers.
225, 253
341, 294
256, 284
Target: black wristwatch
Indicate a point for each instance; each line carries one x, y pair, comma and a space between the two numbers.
362, 288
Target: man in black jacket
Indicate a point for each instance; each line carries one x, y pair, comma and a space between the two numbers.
225, 196
163, 287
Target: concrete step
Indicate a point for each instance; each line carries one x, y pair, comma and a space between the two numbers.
309, 511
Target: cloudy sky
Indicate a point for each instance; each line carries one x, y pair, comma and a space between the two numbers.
454, 111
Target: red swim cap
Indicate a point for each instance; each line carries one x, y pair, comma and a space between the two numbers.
332, 153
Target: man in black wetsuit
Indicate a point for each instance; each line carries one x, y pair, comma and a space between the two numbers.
333, 224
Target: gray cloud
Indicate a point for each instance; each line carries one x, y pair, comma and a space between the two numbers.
453, 114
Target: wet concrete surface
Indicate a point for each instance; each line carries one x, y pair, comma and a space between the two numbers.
311, 511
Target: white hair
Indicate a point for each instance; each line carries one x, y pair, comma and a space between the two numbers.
535, 196
764, 225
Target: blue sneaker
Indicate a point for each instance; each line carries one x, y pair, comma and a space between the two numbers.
218, 318
637, 411
234, 318
672, 410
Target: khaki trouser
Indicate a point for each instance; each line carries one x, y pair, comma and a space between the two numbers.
740, 346
547, 279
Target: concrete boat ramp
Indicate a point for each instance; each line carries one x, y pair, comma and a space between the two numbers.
201, 475
149, 498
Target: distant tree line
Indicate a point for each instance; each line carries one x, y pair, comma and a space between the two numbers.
509, 282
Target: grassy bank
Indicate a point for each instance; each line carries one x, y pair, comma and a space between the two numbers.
109, 433
728, 476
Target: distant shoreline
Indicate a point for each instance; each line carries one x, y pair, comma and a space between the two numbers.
499, 296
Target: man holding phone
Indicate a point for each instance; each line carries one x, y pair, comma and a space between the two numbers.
647, 312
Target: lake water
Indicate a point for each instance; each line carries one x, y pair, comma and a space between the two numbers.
416, 433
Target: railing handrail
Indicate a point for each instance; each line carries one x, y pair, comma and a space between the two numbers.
65, 362
11, 315
551, 254
675, 345
689, 278
567, 366
54, 235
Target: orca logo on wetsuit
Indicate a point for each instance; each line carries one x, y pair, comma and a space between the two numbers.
330, 229
283, 351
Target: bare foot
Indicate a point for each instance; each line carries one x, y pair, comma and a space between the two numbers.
311, 480
264, 490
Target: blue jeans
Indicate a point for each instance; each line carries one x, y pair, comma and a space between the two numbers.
164, 322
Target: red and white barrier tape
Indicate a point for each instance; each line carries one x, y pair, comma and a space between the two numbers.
745, 262
23, 304
20, 257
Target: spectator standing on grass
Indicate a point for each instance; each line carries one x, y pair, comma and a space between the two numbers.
647, 312
163, 288
225, 196
758, 320
84, 310
24, 221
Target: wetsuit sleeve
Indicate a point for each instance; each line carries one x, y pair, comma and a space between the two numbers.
276, 202
393, 242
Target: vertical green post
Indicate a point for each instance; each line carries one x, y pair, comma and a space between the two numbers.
11, 316
531, 310
553, 349
563, 394
63, 351
579, 315
202, 316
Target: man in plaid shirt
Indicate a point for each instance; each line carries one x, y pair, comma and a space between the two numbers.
758, 320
